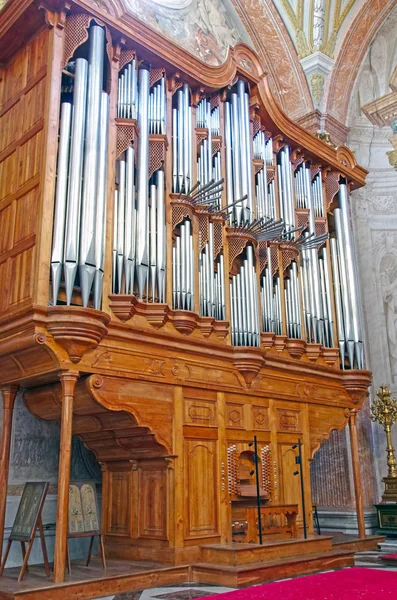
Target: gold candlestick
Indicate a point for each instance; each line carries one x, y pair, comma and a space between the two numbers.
384, 411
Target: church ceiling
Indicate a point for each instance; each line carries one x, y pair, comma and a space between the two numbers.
317, 25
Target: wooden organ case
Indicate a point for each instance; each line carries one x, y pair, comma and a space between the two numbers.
163, 324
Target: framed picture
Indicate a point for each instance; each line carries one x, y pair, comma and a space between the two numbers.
29, 510
83, 509
27, 521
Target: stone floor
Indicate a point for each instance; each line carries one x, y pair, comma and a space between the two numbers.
187, 591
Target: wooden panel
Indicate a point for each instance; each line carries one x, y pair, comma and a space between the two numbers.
29, 161
153, 503
26, 216
6, 227
291, 490
22, 286
288, 420
37, 54
235, 416
260, 418
21, 153
8, 175
202, 488
200, 412
119, 503
33, 105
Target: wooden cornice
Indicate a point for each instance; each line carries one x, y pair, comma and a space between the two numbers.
241, 60
34, 356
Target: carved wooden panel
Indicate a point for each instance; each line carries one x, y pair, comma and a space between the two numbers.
21, 152
119, 495
201, 488
200, 412
260, 418
152, 520
288, 420
235, 416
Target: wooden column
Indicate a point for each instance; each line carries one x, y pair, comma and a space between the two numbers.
68, 382
9, 393
356, 473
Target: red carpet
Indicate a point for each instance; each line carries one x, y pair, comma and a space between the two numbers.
347, 584
389, 557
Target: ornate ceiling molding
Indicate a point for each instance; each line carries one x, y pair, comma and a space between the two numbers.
278, 55
351, 55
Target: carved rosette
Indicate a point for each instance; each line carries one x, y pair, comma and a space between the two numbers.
248, 361
77, 329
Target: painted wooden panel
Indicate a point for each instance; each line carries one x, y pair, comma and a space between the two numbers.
153, 503
202, 490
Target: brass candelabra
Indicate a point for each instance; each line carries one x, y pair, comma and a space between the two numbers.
384, 412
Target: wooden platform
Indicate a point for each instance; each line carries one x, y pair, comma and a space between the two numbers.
90, 582
232, 565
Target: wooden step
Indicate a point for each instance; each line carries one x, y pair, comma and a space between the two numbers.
251, 574
359, 544
242, 554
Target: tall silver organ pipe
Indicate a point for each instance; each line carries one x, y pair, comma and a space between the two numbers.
269, 152
127, 99
182, 136
265, 205
292, 302
157, 238
211, 281
91, 162
100, 229
79, 222
183, 266
317, 195
244, 303
285, 187
348, 309
142, 258
239, 155
271, 299
60, 199
72, 229
157, 108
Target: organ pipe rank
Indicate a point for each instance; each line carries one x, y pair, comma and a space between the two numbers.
245, 223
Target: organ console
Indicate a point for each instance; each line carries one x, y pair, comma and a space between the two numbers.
181, 272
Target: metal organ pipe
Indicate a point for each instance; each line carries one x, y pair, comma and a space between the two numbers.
127, 99
182, 137
142, 265
72, 230
91, 161
183, 268
100, 229
244, 291
239, 155
60, 199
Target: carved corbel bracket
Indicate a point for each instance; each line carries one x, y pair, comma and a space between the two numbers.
356, 383
248, 361
55, 19
77, 329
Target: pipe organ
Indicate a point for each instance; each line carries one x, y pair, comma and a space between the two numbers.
185, 274
222, 162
